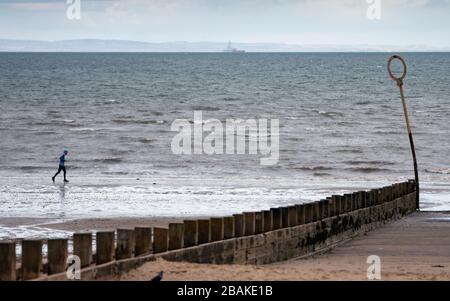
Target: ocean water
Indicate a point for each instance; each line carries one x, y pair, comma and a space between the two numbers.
341, 129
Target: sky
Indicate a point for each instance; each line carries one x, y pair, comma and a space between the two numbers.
338, 22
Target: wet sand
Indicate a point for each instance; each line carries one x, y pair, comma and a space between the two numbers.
51, 228
415, 248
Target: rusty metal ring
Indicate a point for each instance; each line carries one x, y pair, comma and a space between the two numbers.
391, 59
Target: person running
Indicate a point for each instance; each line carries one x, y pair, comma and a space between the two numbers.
62, 166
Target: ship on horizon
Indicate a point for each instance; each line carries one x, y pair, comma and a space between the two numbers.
230, 49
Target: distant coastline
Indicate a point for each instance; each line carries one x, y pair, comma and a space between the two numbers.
98, 45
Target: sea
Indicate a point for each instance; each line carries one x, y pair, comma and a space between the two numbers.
341, 129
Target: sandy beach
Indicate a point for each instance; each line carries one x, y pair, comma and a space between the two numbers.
415, 248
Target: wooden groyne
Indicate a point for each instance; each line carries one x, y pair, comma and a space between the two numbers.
249, 238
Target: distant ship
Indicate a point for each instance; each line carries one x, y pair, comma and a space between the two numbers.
233, 50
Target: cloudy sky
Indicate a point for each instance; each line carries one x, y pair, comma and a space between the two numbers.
345, 22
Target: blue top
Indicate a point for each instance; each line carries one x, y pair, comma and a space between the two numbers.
62, 159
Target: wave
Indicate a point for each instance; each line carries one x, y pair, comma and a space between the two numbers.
349, 151
112, 160
205, 108
144, 122
362, 103
145, 140
31, 168
442, 171
231, 99
331, 114
367, 169
84, 130
311, 168
375, 162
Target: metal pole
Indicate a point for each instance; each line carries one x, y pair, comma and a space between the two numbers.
399, 81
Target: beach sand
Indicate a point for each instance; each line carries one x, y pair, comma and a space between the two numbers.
415, 248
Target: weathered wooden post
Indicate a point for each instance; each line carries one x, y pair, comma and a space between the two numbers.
82, 247
316, 212
292, 213
268, 221
216, 228
259, 222
377, 197
190, 233
238, 225
326, 208
104, 241
143, 240
333, 206
125, 243
309, 213
204, 231
176, 232
57, 255
8, 261
160, 240
31, 258
228, 227
284, 217
276, 218
249, 221
337, 204
348, 202
300, 214
361, 196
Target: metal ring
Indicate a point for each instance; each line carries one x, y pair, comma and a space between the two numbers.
391, 59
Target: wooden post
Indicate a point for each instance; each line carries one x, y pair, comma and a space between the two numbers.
8, 261
259, 222
315, 211
333, 206
338, 206
228, 227
391, 193
308, 213
300, 214
249, 221
160, 240
216, 228
343, 208
326, 208
276, 218
355, 205
238, 225
57, 255
190, 233
377, 197
284, 217
268, 221
292, 212
348, 202
369, 199
82, 247
125, 243
204, 231
105, 247
176, 232
143, 240
31, 258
